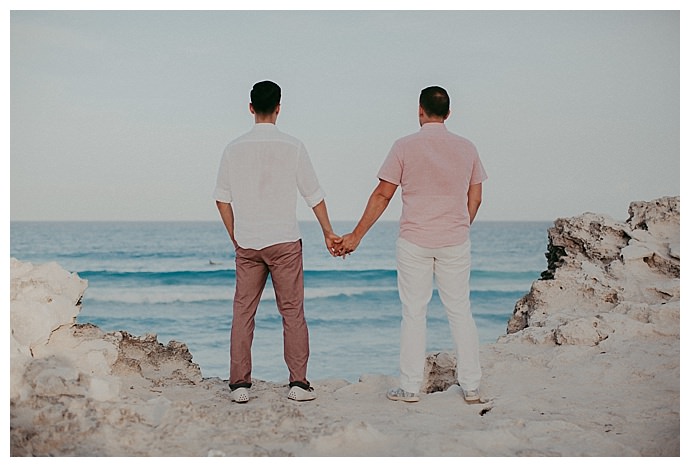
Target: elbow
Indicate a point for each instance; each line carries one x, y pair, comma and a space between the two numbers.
384, 197
223, 206
474, 201
474, 196
382, 201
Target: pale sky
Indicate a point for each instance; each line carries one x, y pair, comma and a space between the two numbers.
123, 115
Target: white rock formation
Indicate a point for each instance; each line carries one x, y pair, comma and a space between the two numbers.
50, 355
606, 276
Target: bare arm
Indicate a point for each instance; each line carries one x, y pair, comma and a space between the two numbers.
377, 204
474, 200
228, 217
332, 240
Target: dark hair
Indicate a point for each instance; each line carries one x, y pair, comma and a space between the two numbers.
435, 101
265, 97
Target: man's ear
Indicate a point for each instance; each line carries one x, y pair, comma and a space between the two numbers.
251, 109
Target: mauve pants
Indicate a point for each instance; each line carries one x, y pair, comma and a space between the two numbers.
284, 262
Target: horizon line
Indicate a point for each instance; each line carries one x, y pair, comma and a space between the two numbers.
220, 221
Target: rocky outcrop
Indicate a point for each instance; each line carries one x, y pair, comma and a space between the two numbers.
60, 371
51, 355
601, 272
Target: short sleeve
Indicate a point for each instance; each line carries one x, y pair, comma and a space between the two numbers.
391, 169
478, 172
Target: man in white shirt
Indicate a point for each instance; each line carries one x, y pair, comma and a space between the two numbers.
256, 193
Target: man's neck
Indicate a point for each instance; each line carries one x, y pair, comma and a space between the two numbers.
265, 119
424, 118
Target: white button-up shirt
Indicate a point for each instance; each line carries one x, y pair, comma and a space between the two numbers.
260, 174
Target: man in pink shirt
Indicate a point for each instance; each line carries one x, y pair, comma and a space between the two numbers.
440, 175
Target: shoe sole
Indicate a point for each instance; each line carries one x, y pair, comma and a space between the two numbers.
294, 396
477, 400
473, 398
402, 399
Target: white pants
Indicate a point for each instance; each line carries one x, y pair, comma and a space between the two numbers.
417, 268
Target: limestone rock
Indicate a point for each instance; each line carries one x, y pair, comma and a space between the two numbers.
440, 372
597, 264
51, 356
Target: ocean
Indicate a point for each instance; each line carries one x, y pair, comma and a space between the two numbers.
176, 280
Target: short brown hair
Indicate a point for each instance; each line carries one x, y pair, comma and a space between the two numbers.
435, 101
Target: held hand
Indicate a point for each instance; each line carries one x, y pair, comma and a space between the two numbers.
333, 243
349, 243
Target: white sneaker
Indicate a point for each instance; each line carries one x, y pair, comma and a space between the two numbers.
471, 396
240, 395
399, 394
296, 393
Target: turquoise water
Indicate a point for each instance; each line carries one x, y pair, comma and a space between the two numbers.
176, 280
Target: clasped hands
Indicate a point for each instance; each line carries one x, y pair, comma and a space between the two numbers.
341, 246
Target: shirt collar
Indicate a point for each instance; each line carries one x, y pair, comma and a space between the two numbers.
264, 125
433, 126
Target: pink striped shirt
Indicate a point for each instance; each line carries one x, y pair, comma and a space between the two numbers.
434, 168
